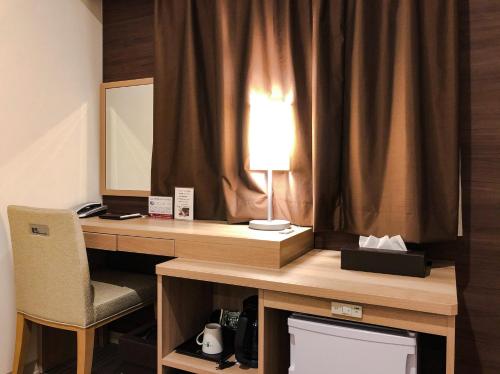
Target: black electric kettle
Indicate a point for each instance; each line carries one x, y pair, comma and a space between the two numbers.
246, 340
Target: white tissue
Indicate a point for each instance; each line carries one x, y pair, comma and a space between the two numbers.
395, 243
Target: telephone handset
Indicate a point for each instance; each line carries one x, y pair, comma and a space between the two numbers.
90, 210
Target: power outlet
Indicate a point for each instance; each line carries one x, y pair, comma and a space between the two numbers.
347, 310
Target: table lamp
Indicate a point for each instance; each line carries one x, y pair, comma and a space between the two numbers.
270, 145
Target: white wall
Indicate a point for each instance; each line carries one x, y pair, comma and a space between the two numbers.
50, 70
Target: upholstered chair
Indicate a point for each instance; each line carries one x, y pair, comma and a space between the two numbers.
55, 288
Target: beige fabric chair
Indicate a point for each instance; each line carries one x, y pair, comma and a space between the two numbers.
54, 286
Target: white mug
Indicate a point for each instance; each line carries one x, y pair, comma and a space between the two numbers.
212, 339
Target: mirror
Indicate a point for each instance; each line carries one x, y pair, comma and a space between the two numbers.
126, 137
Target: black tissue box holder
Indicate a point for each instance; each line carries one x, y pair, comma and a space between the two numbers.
411, 263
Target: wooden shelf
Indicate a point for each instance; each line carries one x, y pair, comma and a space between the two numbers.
199, 366
318, 274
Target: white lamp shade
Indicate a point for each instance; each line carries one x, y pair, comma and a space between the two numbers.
271, 133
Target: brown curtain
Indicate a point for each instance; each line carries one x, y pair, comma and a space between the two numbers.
210, 56
328, 43
375, 101
400, 147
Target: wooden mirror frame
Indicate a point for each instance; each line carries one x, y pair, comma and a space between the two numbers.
102, 172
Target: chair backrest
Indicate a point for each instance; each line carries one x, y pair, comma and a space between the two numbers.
50, 265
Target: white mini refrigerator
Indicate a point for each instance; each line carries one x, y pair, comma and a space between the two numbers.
326, 346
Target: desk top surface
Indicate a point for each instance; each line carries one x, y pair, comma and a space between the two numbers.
318, 274
199, 230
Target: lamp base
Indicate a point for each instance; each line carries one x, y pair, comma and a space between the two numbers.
269, 225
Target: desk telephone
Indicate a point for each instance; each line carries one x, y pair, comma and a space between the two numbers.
90, 210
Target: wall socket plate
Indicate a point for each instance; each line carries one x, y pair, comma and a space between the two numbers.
347, 310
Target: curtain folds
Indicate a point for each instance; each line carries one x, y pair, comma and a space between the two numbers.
211, 55
374, 87
400, 139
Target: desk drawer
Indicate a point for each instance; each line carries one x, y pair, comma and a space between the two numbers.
100, 241
372, 314
150, 246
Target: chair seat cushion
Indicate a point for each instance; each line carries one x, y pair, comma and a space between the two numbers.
117, 291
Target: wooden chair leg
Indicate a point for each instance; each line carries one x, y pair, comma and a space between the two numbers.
22, 334
85, 350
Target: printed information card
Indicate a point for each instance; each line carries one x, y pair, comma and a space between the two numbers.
184, 203
160, 207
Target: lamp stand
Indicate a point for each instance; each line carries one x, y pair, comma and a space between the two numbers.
269, 224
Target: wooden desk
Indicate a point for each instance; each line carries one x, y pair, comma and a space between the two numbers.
188, 290
201, 240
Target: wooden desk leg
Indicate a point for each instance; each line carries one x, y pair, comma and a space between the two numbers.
159, 321
450, 346
261, 332
274, 341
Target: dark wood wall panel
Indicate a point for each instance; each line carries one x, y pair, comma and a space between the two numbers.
126, 204
129, 53
478, 261
128, 43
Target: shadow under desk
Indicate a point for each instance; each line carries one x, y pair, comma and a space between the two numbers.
188, 291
